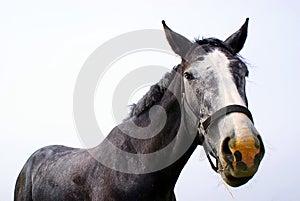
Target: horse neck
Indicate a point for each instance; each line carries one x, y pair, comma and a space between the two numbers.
170, 147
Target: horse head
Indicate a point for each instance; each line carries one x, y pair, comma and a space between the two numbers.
214, 79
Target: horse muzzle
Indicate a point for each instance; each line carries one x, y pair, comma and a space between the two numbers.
240, 156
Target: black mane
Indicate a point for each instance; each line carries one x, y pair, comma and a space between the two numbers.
153, 96
215, 43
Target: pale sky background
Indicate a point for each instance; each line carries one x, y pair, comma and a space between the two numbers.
43, 45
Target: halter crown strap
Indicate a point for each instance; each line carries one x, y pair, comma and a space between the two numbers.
225, 111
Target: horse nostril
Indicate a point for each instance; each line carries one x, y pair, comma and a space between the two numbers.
226, 149
238, 156
261, 145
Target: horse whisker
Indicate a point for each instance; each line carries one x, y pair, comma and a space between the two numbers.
227, 189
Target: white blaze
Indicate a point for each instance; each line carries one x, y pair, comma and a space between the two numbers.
227, 87
228, 90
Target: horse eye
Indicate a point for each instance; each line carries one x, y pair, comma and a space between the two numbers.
188, 76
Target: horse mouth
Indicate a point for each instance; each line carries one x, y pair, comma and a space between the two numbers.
234, 181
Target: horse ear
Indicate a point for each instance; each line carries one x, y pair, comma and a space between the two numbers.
237, 40
179, 44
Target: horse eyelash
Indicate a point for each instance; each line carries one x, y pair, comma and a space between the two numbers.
188, 76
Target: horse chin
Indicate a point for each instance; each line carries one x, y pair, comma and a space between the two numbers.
234, 181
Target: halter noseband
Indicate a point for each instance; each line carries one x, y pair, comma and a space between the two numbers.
224, 112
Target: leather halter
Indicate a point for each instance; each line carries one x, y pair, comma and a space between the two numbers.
224, 112
204, 125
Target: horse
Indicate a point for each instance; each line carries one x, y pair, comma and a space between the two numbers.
200, 102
